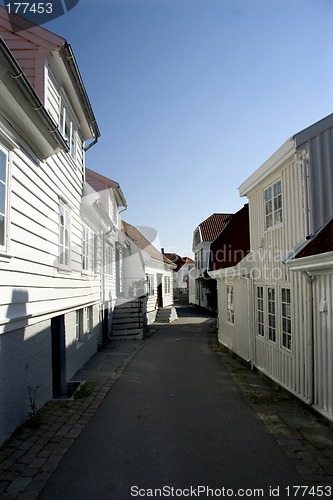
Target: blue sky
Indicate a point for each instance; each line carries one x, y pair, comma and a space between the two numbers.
192, 96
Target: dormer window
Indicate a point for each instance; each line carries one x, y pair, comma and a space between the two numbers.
67, 126
273, 205
61, 112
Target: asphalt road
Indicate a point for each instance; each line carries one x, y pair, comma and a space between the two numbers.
175, 420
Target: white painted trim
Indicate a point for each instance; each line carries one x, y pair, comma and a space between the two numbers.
273, 163
311, 263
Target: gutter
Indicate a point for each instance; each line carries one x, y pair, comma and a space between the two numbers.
17, 74
70, 58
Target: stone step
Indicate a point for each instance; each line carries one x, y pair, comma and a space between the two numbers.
166, 315
127, 319
125, 326
136, 333
128, 303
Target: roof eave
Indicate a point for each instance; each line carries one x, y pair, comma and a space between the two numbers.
43, 136
309, 263
273, 163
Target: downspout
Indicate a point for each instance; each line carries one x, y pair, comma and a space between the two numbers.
303, 162
250, 308
69, 55
309, 280
91, 145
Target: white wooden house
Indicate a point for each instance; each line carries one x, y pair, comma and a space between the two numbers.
290, 200
181, 273
147, 272
230, 265
204, 234
112, 200
50, 255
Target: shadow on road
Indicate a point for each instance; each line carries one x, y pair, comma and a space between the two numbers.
188, 311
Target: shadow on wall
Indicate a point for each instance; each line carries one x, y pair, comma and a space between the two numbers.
24, 362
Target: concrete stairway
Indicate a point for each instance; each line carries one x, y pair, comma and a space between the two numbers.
166, 315
127, 319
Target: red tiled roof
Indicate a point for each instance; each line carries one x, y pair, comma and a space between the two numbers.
141, 242
233, 244
213, 226
320, 243
179, 261
99, 182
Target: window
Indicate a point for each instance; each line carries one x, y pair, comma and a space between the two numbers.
150, 284
64, 236
260, 311
197, 264
271, 314
3, 199
79, 325
88, 249
68, 127
89, 320
273, 205
109, 258
230, 304
286, 317
167, 284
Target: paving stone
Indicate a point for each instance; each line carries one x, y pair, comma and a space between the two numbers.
74, 433
3, 486
7, 464
16, 455
28, 495
37, 463
18, 485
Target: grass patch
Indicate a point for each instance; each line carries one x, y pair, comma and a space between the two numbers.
85, 390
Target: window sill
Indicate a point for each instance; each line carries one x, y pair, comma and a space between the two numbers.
79, 344
64, 270
4, 257
273, 228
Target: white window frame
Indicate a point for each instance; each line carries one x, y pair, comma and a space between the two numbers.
260, 310
79, 332
167, 284
89, 319
109, 259
64, 258
150, 278
4, 186
271, 314
276, 322
88, 249
230, 305
68, 125
273, 204
286, 318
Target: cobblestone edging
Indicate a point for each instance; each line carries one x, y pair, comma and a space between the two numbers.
303, 435
30, 456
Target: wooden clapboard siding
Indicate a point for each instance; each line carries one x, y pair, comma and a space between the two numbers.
234, 336
323, 343
34, 238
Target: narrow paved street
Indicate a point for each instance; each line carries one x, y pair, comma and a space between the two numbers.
174, 419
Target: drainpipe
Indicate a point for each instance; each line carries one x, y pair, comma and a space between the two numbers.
91, 145
309, 280
303, 162
250, 308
